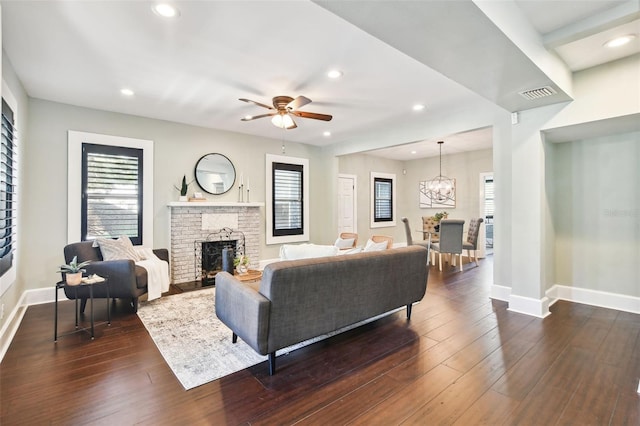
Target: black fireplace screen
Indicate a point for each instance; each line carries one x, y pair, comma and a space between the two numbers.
208, 253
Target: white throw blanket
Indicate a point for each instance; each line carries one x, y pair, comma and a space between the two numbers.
157, 273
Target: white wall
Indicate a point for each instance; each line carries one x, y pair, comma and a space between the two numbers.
597, 214
177, 149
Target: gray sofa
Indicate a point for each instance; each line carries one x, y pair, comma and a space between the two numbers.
300, 299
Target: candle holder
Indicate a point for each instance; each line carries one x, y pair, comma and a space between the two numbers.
240, 193
248, 195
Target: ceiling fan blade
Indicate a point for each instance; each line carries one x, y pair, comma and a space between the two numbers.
298, 102
253, 117
314, 115
257, 103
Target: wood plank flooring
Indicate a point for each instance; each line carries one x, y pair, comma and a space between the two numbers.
463, 359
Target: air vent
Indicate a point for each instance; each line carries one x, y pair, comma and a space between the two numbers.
540, 92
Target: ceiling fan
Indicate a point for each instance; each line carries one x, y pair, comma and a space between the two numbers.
282, 110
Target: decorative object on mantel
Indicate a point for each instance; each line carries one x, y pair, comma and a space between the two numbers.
197, 196
73, 271
439, 191
241, 189
215, 173
184, 188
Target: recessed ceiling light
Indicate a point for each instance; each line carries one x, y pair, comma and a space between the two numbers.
127, 92
327, 134
418, 107
165, 10
414, 152
334, 74
620, 41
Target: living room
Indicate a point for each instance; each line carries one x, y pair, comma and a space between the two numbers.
566, 182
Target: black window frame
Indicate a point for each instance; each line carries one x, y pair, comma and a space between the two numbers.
299, 168
138, 153
377, 201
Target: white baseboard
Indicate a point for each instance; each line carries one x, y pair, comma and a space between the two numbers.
602, 299
529, 306
500, 292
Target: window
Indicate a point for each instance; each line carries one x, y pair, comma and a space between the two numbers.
287, 199
287, 182
96, 193
8, 193
111, 192
382, 199
488, 197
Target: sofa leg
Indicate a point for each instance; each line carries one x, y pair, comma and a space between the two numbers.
409, 306
272, 363
134, 304
234, 338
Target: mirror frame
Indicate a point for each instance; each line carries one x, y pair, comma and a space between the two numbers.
223, 158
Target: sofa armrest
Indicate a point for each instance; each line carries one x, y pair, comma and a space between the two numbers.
244, 310
163, 254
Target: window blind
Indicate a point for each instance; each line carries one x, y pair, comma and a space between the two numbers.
287, 199
383, 201
111, 192
488, 197
8, 189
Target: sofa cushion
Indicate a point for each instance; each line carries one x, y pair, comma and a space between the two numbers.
122, 248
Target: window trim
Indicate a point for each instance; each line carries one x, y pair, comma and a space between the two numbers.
74, 180
9, 277
392, 222
270, 238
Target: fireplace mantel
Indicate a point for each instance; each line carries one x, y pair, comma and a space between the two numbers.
212, 204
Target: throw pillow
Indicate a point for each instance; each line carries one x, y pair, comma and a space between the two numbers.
122, 248
371, 246
344, 243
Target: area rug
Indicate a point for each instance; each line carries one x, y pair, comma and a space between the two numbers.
195, 343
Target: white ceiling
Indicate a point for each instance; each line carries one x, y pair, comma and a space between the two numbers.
393, 54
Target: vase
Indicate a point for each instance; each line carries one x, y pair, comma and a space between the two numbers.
183, 198
73, 278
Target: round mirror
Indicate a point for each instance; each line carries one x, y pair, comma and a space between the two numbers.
215, 173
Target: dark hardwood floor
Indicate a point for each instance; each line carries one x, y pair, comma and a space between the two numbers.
462, 359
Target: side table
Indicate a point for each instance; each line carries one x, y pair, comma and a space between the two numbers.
63, 284
250, 276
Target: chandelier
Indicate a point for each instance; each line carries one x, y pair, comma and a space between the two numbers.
440, 189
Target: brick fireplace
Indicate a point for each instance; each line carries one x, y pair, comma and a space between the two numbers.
195, 222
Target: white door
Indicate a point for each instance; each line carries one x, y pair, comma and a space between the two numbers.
347, 203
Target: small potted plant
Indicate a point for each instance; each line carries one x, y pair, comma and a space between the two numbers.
73, 271
242, 264
183, 188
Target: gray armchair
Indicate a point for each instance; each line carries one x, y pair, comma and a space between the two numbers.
472, 239
126, 279
450, 241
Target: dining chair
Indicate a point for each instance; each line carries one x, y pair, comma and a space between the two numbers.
429, 224
472, 239
411, 242
450, 241
381, 238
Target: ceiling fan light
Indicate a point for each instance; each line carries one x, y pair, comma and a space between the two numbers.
334, 74
283, 121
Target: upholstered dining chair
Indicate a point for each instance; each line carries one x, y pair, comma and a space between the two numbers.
429, 224
450, 241
381, 238
472, 239
411, 242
